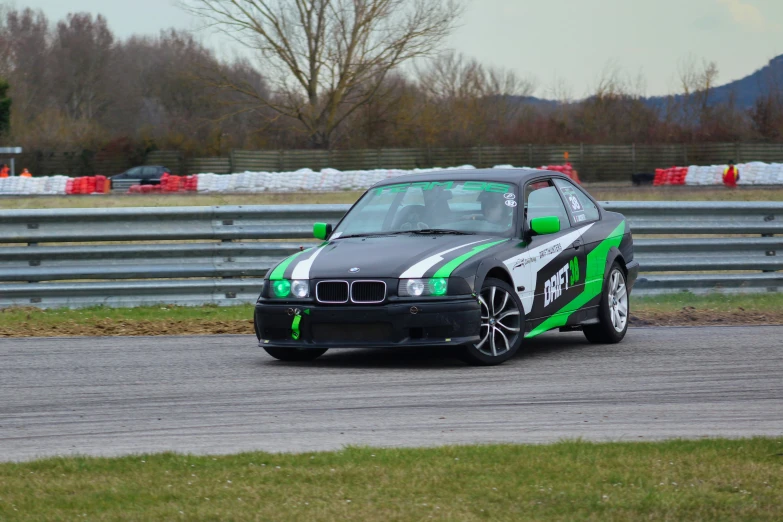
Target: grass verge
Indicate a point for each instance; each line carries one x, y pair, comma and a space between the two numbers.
682, 309
315, 198
676, 480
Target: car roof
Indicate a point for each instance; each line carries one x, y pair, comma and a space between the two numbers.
515, 175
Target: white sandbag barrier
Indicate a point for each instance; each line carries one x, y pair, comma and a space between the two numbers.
44, 186
304, 180
755, 173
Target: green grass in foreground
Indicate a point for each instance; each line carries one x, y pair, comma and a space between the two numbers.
767, 302
675, 480
761, 302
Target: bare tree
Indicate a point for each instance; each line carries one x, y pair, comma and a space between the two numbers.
451, 75
697, 81
24, 39
328, 58
81, 54
468, 102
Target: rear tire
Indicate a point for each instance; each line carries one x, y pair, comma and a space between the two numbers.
294, 354
502, 325
613, 311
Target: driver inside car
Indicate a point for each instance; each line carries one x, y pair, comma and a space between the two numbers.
494, 208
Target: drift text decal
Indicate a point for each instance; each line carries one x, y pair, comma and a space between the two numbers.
568, 275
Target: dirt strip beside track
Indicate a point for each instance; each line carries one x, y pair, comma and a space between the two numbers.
687, 316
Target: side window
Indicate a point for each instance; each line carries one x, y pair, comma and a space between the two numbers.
149, 172
542, 200
134, 173
582, 209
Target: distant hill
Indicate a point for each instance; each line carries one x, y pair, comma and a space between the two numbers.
746, 90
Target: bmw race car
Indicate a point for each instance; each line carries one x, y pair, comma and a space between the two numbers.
479, 260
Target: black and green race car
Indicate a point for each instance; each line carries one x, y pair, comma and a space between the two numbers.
475, 259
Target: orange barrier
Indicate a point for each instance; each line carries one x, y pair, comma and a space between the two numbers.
671, 176
88, 185
102, 185
168, 184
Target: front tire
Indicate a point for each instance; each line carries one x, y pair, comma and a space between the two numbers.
502, 325
294, 354
612, 311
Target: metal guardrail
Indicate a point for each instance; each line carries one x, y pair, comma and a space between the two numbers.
195, 255
122, 185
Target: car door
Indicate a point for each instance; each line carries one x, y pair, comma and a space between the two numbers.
134, 173
149, 176
556, 260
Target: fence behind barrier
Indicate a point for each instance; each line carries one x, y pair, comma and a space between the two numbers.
595, 162
196, 255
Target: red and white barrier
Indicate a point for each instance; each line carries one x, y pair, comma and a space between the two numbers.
756, 173
331, 180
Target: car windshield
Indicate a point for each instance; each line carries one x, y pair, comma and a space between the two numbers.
458, 207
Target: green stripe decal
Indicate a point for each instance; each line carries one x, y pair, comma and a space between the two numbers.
448, 268
279, 270
594, 283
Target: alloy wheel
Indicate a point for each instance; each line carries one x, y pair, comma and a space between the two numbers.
618, 300
500, 322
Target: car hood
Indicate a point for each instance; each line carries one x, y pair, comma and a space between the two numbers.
385, 256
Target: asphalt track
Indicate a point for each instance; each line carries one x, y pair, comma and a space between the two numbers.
222, 394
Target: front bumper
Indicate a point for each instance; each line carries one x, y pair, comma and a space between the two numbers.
454, 321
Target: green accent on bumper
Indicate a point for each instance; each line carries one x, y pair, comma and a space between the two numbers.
295, 327
279, 270
448, 268
594, 283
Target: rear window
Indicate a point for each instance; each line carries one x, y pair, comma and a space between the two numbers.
581, 208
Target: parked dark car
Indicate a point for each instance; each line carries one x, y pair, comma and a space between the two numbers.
146, 175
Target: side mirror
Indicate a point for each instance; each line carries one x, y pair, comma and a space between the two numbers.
322, 230
545, 225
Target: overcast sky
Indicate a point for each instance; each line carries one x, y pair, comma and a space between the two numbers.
554, 41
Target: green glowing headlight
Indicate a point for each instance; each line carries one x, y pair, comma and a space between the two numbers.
281, 287
438, 286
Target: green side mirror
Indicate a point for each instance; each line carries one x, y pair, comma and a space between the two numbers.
322, 230
545, 225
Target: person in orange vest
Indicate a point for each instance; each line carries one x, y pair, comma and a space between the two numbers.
25, 174
4, 171
731, 175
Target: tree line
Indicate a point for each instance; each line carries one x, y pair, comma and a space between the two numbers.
324, 74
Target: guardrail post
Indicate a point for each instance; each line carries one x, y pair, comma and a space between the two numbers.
769, 253
33, 262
